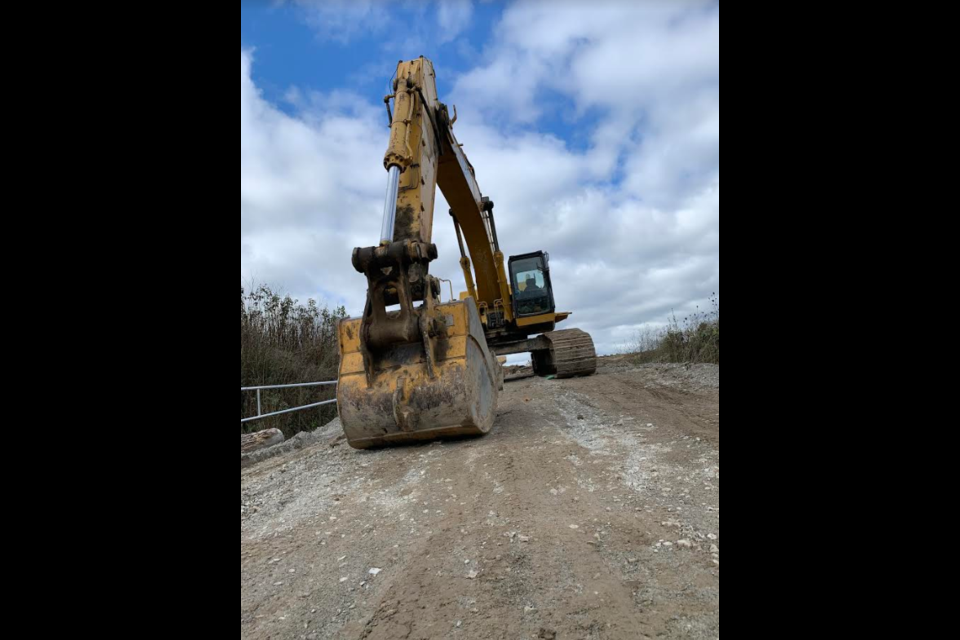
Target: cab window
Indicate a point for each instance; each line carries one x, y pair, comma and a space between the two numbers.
528, 278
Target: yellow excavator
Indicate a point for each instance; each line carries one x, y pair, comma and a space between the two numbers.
414, 368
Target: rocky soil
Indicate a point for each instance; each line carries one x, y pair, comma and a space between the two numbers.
591, 512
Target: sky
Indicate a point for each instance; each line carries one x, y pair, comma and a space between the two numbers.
594, 126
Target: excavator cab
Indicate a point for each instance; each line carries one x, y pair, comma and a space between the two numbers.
532, 289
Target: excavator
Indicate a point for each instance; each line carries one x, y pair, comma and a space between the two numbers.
414, 368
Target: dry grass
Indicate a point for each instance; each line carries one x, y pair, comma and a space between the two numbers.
283, 341
694, 339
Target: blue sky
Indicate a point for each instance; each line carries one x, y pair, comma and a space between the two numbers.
290, 50
291, 53
594, 126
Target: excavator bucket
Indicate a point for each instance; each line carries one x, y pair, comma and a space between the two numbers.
443, 387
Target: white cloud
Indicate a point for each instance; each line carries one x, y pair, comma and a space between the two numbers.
342, 20
631, 219
453, 17
634, 219
403, 23
651, 69
310, 191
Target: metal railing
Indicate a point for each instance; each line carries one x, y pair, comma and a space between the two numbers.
262, 416
450, 282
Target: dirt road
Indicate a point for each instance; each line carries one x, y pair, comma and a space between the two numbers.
592, 512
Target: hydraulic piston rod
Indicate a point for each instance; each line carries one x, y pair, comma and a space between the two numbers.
390, 207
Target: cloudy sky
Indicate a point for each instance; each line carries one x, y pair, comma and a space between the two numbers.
594, 125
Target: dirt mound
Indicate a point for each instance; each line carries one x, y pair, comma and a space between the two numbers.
297, 442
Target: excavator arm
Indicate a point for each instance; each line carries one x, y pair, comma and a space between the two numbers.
424, 154
412, 368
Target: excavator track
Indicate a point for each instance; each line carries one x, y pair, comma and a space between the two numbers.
572, 354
